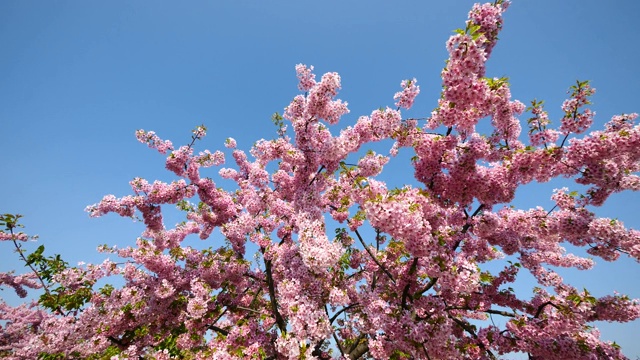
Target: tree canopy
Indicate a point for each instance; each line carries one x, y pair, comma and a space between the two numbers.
322, 259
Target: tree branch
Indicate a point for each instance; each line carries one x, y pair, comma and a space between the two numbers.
335, 316
317, 173
44, 286
218, 329
355, 351
333, 332
541, 307
405, 291
373, 257
428, 287
466, 327
359, 350
465, 228
498, 312
272, 295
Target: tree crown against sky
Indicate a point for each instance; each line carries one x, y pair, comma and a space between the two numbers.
404, 274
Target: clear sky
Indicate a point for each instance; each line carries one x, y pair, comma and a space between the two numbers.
77, 78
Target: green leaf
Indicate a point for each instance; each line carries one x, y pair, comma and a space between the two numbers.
486, 277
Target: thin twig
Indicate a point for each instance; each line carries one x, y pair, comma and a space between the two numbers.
272, 295
405, 291
335, 316
335, 337
373, 257
44, 286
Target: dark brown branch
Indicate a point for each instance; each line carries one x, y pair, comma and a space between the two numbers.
354, 346
335, 316
355, 273
541, 307
335, 338
251, 276
317, 351
405, 291
466, 226
466, 327
498, 312
119, 343
44, 286
553, 208
373, 257
247, 309
318, 173
425, 352
428, 287
220, 316
218, 329
374, 278
272, 295
490, 311
369, 251
574, 116
333, 332
359, 350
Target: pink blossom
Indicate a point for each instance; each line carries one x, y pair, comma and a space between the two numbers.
408, 94
230, 143
306, 77
150, 138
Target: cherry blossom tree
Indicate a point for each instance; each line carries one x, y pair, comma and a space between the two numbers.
344, 265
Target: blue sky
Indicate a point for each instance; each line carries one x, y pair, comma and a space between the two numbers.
77, 78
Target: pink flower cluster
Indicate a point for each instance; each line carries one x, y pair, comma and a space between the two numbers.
18, 282
150, 138
575, 121
408, 94
318, 104
489, 19
306, 77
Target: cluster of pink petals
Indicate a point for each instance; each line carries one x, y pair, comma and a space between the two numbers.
306, 77
20, 236
575, 121
18, 282
489, 18
153, 141
408, 94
